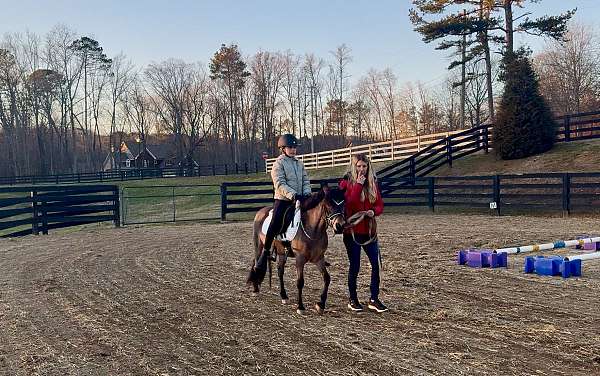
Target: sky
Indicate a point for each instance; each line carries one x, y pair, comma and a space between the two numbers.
378, 32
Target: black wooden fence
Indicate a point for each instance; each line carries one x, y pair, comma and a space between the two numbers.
581, 126
31, 210
245, 168
500, 194
244, 197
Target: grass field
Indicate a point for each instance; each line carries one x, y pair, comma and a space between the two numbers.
197, 198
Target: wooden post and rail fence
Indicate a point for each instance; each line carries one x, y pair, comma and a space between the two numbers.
571, 127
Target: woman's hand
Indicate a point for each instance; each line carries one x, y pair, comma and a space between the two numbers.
361, 179
370, 213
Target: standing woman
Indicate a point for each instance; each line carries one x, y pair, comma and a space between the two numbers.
362, 195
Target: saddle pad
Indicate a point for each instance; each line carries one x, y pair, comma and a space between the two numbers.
291, 231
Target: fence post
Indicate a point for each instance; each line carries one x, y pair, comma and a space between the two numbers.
213, 169
449, 150
431, 193
418, 143
486, 145
566, 194
117, 207
567, 124
78, 177
44, 218
246, 167
226, 170
496, 190
223, 202
392, 146
256, 166
34, 213
174, 207
412, 170
237, 171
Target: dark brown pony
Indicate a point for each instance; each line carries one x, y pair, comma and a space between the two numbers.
319, 212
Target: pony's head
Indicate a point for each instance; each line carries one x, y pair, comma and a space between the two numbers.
335, 208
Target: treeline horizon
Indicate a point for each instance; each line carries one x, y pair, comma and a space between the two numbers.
64, 103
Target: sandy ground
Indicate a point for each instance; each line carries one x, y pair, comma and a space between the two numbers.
171, 300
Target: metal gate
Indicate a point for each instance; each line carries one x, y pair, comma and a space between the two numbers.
170, 203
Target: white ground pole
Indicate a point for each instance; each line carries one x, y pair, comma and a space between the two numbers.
547, 246
589, 256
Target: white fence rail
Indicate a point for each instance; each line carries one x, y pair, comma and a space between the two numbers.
377, 152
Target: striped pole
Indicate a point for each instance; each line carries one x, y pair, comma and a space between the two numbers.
547, 246
589, 256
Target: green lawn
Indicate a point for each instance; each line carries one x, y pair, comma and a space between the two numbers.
197, 198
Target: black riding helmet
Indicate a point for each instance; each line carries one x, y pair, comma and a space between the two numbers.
287, 140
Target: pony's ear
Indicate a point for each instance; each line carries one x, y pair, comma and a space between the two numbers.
324, 184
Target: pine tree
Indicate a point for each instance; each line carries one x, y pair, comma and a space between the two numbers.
524, 123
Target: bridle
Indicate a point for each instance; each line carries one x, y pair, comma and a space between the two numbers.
338, 211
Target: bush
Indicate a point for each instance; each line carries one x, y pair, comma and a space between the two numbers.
524, 123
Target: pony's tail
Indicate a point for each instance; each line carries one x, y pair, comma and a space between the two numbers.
255, 276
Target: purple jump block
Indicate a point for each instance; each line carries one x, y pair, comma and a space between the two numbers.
589, 246
553, 266
482, 258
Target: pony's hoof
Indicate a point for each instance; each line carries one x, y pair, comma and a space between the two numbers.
320, 310
254, 293
285, 301
301, 312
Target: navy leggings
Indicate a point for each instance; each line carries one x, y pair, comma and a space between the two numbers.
372, 251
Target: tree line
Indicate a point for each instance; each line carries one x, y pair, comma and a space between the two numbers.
65, 104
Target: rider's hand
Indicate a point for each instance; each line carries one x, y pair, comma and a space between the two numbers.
361, 179
370, 213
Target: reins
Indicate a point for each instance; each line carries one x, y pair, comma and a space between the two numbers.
354, 220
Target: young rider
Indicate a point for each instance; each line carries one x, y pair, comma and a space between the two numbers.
291, 183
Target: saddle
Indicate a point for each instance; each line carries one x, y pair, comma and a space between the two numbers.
289, 228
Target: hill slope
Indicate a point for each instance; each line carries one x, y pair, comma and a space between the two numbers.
579, 156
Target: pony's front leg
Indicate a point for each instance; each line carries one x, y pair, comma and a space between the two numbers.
300, 262
281, 259
322, 265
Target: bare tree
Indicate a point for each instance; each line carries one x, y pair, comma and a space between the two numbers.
120, 79
312, 69
570, 72
197, 124
338, 71
268, 71
169, 81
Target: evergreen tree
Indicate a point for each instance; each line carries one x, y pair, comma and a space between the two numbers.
524, 122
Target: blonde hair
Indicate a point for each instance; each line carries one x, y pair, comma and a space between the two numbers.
370, 185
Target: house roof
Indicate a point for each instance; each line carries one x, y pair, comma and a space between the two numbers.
161, 151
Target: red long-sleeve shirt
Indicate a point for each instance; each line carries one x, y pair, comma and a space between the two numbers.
355, 205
